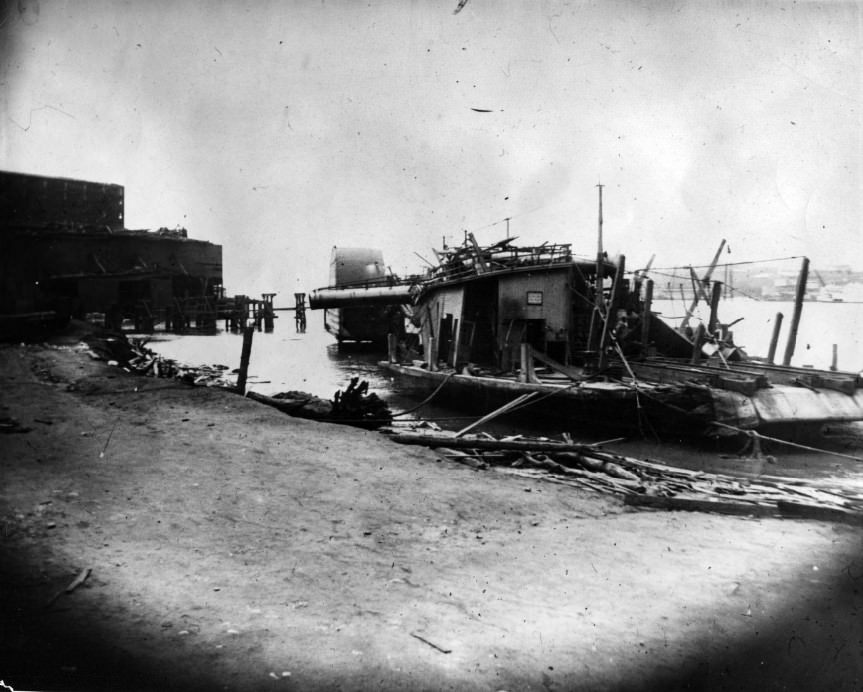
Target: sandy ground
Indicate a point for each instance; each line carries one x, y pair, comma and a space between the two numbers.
232, 547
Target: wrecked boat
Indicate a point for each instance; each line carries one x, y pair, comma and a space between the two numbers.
539, 330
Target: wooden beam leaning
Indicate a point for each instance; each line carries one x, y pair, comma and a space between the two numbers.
497, 412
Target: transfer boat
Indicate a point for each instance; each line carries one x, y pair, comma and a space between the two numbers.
536, 328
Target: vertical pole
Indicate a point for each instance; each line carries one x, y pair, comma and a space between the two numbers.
714, 306
834, 363
248, 333
774, 339
592, 334
527, 373
431, 356
645, 317
391, 347
619, 286
606, 325
599, 251
697, 342
798, 309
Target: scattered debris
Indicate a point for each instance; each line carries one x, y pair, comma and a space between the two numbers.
646, 483
132, 355
353, 406
431, 644
74, 584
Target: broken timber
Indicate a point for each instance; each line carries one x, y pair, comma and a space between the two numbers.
645, 483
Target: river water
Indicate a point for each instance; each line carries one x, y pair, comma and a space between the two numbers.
312, 362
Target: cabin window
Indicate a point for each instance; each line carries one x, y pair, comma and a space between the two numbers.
534, 297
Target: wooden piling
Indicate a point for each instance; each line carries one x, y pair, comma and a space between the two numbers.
248, 333
300, 312
774, 339
269, 315
834, 363
798, 309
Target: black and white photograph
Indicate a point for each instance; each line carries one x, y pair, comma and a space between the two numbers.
407, 345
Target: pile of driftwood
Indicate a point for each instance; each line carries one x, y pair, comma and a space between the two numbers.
132, 355
353, 406
643, 483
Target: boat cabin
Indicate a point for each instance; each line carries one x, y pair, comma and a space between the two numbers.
482, 304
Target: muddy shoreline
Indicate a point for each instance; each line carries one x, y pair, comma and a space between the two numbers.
233, 547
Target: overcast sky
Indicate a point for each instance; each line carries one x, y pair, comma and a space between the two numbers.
280, 129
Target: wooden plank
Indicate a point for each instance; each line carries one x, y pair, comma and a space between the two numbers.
686, 504
428, 440
497, 412
575, 374
805, 510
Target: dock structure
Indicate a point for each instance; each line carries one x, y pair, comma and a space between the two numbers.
300, 312
242, 311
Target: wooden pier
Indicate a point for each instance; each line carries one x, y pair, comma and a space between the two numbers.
202, 314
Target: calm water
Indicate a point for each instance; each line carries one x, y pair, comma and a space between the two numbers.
312, 362
821, 326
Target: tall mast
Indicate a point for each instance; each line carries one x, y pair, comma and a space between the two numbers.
599, 243
598, 301
599, 276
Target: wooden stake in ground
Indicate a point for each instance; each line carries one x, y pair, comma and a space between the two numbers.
248, 333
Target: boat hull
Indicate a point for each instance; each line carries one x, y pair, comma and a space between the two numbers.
681, 409
371, 323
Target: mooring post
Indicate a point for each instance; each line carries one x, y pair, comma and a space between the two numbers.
248, 333
834, 363
798, 309
774, 339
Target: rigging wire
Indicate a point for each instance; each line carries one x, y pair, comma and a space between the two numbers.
727, 264
428, 398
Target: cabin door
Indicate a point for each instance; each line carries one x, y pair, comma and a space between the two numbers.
465, 342
534, 334
445, 341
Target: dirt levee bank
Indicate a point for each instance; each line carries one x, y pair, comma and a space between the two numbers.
232, 547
